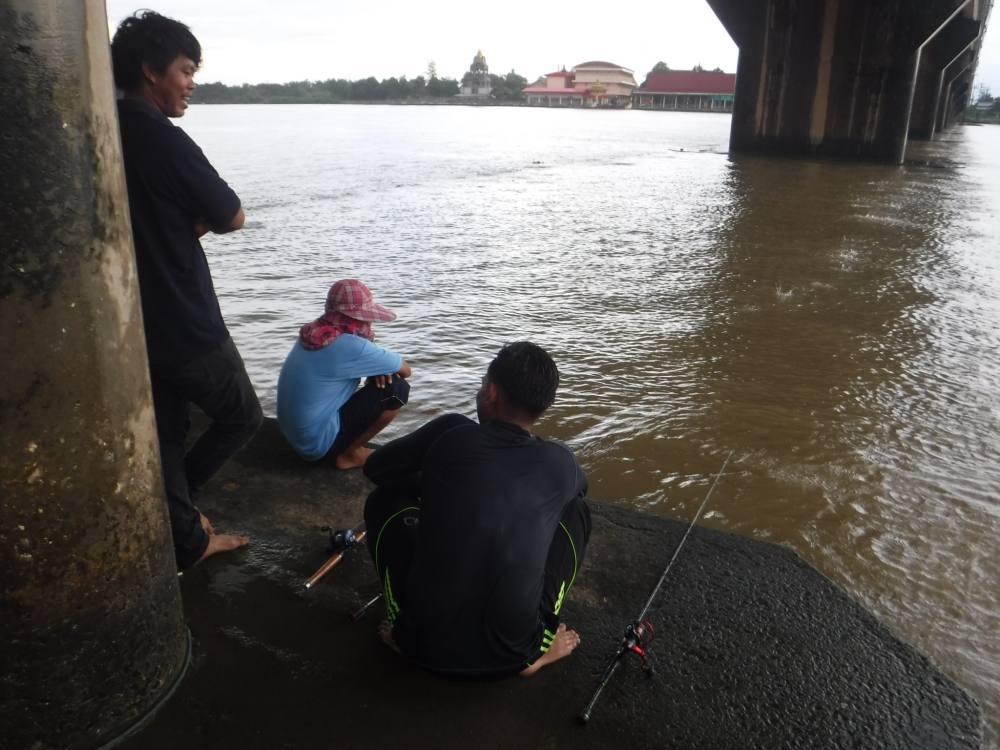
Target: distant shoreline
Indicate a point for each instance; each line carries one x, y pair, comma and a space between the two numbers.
460, 103
393, 102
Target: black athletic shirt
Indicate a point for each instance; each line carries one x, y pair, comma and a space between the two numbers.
170, 185
492, 496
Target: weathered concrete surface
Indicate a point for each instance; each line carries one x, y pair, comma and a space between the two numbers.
92, 632
754, 648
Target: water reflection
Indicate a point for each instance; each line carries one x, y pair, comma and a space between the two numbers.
849, 378
835, 324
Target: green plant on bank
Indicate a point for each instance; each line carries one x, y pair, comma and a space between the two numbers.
973, 114
985, 108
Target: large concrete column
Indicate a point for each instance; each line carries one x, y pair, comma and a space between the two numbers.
93, 634
956, 37
957, 88
828, 77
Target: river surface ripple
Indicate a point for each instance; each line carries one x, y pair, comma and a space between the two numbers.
836, 325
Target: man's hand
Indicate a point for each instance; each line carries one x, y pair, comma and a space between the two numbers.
201, 227
383, 381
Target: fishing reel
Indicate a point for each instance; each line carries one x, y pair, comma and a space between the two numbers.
340, 539
637, 637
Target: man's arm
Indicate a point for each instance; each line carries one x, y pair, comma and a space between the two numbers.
404, 457
575, 477
202, 227
216, 206
383, 381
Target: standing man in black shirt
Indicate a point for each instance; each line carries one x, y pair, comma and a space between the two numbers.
478, 530
175, 197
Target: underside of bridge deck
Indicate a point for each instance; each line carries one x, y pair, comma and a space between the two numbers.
851, 78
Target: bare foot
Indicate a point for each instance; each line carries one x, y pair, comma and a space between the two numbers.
354, 459
385, 633
223, 543
563, 644
206, 525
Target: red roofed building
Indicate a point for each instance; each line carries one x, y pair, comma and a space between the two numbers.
555, 91
686, 90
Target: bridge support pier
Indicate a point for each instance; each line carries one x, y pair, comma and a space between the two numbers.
957, 79
955, 40
835, 77
93, 631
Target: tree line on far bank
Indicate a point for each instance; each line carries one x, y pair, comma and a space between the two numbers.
505, 88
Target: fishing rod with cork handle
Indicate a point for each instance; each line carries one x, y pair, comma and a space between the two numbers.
340, 542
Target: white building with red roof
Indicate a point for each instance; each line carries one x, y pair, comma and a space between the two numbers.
554, 90
687, 90
590, 84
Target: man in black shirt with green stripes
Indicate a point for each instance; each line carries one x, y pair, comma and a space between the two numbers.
478, 530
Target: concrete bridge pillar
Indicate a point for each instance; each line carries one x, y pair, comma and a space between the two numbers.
953, 40
957, 86
828, 77
93, 633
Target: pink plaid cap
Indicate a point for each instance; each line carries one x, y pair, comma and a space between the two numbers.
352, 298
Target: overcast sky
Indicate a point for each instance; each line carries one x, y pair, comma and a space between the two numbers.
254, 41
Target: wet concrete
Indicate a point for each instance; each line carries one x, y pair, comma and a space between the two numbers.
754, 648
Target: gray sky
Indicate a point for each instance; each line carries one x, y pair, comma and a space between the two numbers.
254, 41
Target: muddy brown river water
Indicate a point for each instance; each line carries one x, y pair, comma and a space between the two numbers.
835, 324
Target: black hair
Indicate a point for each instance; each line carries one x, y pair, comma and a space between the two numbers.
147, 37
527, 376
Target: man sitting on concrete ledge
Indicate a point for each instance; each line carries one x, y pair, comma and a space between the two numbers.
321, 410
478, 530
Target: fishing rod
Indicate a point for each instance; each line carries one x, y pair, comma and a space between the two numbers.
360, 611
340, 542
639, 632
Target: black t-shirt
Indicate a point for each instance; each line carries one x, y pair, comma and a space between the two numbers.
170, 185
492, 496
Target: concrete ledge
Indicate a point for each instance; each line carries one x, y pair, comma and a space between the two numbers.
754, 648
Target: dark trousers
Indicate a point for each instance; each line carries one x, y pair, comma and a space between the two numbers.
392, 517
217, 382
366, 405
